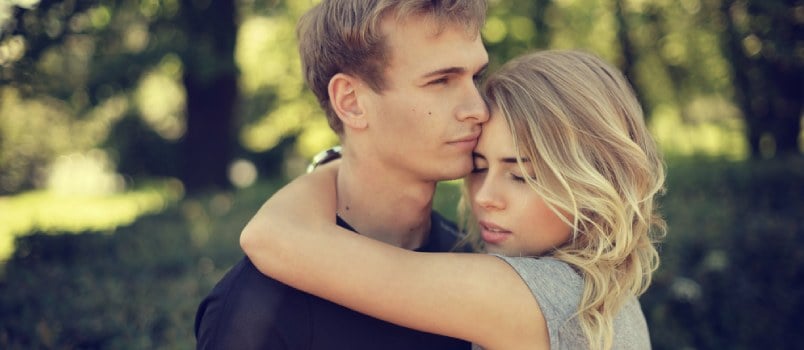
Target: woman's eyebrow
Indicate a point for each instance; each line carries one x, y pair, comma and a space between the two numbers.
513, 160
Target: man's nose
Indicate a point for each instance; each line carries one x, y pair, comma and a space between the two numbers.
473, 107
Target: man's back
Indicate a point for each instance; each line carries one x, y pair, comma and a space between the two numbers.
248, 310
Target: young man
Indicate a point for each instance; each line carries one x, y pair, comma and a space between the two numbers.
397, 80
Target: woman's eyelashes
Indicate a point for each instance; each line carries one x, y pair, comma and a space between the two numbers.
517, 178
513, 176
479, 163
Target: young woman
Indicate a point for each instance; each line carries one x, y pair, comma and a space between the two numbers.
563, 198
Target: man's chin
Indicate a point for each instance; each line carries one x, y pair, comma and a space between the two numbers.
458, 173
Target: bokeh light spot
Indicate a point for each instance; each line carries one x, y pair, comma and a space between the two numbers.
242, 173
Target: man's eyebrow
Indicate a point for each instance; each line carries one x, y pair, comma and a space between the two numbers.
443, 71
454, 70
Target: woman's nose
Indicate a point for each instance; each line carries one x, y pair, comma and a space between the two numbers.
487, 196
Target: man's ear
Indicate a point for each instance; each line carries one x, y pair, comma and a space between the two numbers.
344, 90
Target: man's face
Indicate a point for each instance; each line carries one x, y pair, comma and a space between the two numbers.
428, 119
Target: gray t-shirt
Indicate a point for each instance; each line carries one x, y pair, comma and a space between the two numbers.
558, 290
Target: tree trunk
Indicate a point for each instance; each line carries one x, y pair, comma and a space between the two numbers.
210, 79
787, 103
768, 86
629, 53
208, 143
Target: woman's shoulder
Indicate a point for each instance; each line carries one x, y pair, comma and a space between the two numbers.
556, 286
558, 273
558, 289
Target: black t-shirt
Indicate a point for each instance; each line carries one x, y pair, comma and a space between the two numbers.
248, 310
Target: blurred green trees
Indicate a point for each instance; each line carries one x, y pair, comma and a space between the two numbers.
75, 56
184, 87
764, 42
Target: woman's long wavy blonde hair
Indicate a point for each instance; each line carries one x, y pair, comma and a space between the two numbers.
578, 120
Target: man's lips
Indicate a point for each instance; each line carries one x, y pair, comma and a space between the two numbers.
468, 138
466, 142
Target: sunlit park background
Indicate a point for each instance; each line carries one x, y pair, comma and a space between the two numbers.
138, 136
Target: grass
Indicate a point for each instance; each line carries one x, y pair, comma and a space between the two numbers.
44, 211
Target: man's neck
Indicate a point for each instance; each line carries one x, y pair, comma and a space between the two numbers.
384, 206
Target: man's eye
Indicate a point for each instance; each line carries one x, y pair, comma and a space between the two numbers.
439, 81
479, 76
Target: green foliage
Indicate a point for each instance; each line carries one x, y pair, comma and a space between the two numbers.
82, 71
731, 274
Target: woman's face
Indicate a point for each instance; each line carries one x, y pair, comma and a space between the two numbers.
513, 219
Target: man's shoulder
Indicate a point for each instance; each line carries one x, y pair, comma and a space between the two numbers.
246, 311
244, 277
246, 307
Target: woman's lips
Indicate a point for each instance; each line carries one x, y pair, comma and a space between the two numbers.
493, 234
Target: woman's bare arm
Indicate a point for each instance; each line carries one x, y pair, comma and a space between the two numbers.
294, 239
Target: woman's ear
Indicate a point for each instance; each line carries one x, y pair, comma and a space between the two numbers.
344, 91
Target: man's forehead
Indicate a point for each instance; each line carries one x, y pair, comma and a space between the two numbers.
435, 50
425, 25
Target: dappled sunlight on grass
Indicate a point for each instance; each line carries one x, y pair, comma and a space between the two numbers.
48, 211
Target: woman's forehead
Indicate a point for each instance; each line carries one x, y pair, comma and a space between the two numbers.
496, 140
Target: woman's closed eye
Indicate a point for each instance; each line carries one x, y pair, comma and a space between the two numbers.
477, 170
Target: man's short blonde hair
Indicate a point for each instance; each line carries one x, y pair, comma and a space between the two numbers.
345, 36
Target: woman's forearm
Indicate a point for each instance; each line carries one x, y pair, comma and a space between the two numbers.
306, 203
293, 241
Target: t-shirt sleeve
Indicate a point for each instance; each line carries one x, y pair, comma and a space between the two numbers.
555, 285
